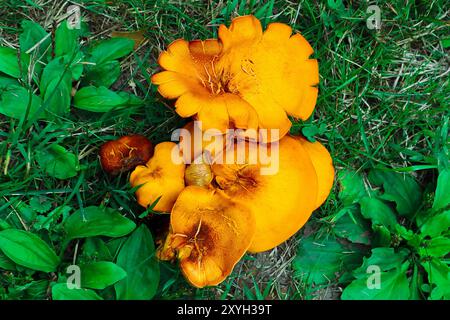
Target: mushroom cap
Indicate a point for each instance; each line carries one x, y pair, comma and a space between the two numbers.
323, 164
125, 153
162, 176
211, 233
281, 202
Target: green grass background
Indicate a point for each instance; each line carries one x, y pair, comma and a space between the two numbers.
382, 96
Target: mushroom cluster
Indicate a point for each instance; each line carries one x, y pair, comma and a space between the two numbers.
221, 202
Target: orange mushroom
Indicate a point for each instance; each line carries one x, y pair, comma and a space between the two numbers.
209, 234
125, 153
281, 202
323, 164
162, 177
247, 78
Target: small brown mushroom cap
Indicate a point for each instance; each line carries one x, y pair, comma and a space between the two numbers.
162, 176
210, 234
125, 153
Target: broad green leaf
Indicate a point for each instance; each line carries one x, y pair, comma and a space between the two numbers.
102, 99
57, 162
319, 261
385, 258
101, 274
381, 236
436, 225
110, 49
28, 250
60, 291
97, 221
394, 285
436, 247
66, 40
352, 187
32, 34
102, 75
379, 212
55, 87
6, 81
75, 64
6, 263
439, 276
15, 100
57, 98
55, 70
96, 249
9, 62
442, 195
352, 226
137, 258
399, 188
385, 265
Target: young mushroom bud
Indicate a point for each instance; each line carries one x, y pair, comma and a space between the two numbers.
125, 153
198, 174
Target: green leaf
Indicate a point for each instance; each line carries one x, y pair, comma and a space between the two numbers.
442, 195
102, 99
46, 222
9, 62
14, 101
6, 81
56, 86
57, 162
32, 34
96, 249
439, 276
110, 49
446, 43
318, 261
436, 247
97, 221
28, 250
385, 258
390, 269
137, 258
379, 212
352, 187
60, 291
6, 263
66, 40
99, 275
352, 226
34, 290
102, 75
416, 282
381, 236
436, 225
400, 188
40, 204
